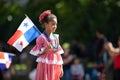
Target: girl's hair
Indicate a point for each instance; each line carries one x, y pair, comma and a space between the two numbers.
46, 16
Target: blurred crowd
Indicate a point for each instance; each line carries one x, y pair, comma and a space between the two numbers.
87, 62
81, 61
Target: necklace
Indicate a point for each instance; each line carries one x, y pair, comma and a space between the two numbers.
55, 44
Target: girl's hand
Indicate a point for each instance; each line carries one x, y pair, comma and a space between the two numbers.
46, 49
62, 72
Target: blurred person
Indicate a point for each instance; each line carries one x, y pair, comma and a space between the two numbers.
101, 39
67, 59
32, 74
101, 54
48, 50
77, 70
115, 54
77, 48
87, 76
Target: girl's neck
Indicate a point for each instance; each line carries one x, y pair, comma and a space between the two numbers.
48, 32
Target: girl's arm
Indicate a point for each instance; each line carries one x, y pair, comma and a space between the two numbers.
41, 47
45, 50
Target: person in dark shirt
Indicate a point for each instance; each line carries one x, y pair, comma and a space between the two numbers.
100, 51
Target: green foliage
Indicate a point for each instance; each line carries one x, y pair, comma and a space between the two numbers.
76, 18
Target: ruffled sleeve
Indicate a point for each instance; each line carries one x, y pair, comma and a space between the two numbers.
60, 50
39, 47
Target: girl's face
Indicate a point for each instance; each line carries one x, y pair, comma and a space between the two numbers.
51, 26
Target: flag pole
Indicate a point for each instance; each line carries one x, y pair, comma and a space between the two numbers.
26, 15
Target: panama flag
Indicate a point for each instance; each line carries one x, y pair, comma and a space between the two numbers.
25, 33
5, 60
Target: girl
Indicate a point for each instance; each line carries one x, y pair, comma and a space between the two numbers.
48, 50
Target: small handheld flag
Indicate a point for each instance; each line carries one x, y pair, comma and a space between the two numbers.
25, 34
5, 60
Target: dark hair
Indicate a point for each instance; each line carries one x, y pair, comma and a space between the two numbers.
48, 18
99, 31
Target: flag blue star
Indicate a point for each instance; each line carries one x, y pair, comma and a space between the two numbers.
25, 24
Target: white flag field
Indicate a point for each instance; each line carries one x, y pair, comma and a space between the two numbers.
25, 34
